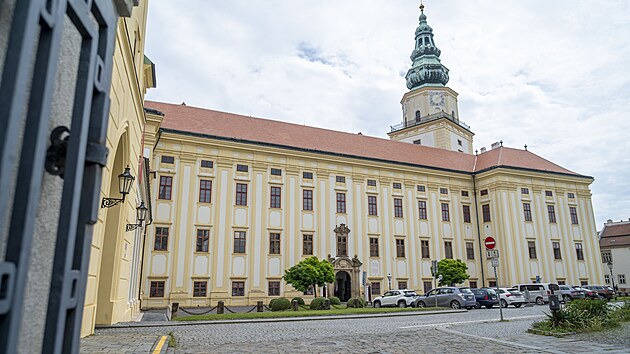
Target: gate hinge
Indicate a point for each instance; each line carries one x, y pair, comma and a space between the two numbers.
96, 154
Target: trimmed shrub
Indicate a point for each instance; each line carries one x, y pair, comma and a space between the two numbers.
280, 304
316, 303
334, 300
271, 302
299, 300
356, 303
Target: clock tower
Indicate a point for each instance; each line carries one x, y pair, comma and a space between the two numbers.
430, 113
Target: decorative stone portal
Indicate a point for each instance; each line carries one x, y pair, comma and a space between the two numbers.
347, 272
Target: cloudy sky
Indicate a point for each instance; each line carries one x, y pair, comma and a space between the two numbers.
554, 75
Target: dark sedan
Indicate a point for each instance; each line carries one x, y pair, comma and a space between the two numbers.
485, 297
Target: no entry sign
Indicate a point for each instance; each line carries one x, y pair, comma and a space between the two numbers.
489, 242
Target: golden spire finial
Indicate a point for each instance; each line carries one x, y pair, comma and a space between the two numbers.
421, 6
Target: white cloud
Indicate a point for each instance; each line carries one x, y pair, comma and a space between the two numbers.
552, 75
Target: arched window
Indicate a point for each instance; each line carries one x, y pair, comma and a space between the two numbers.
417, 116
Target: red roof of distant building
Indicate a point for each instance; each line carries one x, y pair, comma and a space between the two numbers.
187, 119
615, 234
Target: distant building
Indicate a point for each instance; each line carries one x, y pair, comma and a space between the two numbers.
614, 242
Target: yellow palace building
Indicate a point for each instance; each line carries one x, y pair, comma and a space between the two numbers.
237, 200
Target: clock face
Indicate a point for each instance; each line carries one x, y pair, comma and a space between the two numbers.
436, 98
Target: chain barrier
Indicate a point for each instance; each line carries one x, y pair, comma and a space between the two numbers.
305, 307
252, 309
200, 313
228, 309
267, 307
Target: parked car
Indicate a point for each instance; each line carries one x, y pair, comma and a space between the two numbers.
588, 293
538, 292
567, 293
510, 296
400, 298
485, 297
451, 296
602, 291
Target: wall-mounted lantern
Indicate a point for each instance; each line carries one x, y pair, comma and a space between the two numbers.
141, 215
125, 180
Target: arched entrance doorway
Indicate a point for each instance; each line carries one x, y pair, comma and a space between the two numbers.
343, 286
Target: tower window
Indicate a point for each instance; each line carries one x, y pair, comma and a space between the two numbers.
418, 116
459, 142
418, 142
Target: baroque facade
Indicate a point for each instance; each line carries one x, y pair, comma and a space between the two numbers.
239, 199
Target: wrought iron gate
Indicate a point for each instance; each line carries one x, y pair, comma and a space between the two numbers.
33, 141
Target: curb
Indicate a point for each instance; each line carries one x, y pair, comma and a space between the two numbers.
550, 334
503, 342
279, 319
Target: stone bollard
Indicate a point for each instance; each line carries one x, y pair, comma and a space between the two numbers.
259, 306
295, 305
326, 304
220, 307
175, 308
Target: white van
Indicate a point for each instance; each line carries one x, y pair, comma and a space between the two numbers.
538, 292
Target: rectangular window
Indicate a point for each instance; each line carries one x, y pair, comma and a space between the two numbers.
562, 282
307, 175
371, 182
206, 164
341, 203
161, 239
445, 212
166, 185
524, 190
238, 288
448, 249
276, 172
274, 288
307, 199
583, 282
417, 141
574, 217
400, 247
570, 195
205, 191
486, 212
274, 243
376, 289
402, 284
606, 256
200, 288
548, 193
579, 252
398, 209
372, 209
276, 195
241, 194
239, 241
492, 283
443, 191
422, 210
307, 244
427, 286
606, 278
470, 251
527, 211
621, 278
242, 168
168, 159
421, 188
203, 239
532, 249
464, 193
373, 246
551, 211
340, 179
424, 249
466, 210
157, 289
397, 185
309, 291
472, 284
557, 254
342, 245
483, 192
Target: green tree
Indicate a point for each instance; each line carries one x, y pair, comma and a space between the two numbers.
453, 271
310, 272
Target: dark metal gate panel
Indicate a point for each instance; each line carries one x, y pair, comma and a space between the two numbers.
75, 153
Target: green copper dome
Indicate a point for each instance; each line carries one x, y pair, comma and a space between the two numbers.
426, 68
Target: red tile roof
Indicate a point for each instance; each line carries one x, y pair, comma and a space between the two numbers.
182, 118
615, 235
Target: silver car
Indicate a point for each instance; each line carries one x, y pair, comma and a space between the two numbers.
567, 293
453, 297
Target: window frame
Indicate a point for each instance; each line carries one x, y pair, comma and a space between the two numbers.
374, 247
207, 163
470, 250
202, 235
163, 238
448, 249
341, 203
165, 191
485, 210
446, 215
557, 251
579, 251
371, 183
466, 213
307, 175
240, 243
242, 168
422, 210
241, 194
275, 288
167, 159
372, 205
551, 213
307, 199
205, 191
306, 240
342, 245
574, 215
157, 288
398, 208
531, 248
340, 179
275, 197
396, 185
527, 211
238, 288
400, 248
200, 288
425, 249
275, 171
274, 243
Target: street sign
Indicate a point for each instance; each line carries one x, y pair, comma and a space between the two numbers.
495, 262
489, 242
434, 267
492, 253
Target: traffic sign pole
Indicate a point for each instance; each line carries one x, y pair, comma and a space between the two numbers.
496, 276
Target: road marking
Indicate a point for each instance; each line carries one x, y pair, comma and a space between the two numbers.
473, 321
159, 345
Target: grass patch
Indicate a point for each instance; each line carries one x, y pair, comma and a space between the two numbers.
583, 316
303, 313
623, 298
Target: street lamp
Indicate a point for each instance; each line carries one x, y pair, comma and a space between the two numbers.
389, 280
125, 180
141, 215
612, 277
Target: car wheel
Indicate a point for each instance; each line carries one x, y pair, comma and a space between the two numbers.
402, 304
540, 301
504, 303
489, 306
456, 305
517, 305
377, 304
421, 304
477, 305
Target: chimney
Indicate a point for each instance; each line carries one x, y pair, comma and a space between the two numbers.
483, 149
609, 221
495, 145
